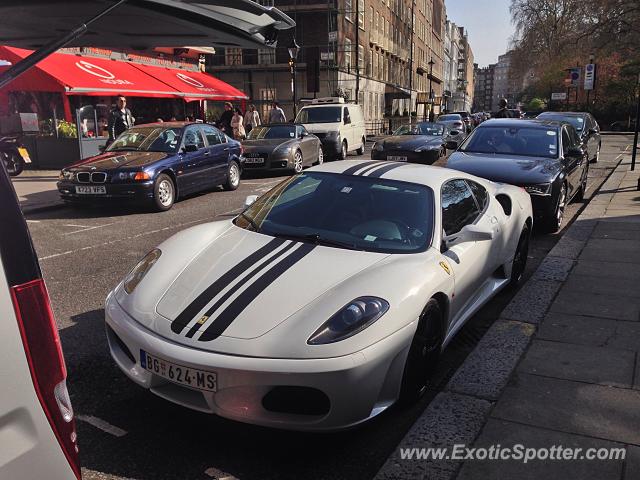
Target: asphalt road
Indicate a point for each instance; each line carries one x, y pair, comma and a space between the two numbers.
127, 432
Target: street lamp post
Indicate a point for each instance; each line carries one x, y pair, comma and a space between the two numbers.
635, 136
293, 50
431, 102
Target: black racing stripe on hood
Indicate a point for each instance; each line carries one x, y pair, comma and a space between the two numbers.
387, 168
368, 169
355, 168
242, 301
221, 283
242, 283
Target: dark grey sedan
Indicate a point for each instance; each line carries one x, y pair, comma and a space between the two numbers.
281, 146
586, 126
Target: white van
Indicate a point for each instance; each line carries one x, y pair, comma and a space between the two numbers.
339, 125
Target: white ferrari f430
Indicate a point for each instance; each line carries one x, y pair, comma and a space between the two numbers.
326, 300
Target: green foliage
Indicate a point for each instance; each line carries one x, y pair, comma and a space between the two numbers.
535, 104
67, 129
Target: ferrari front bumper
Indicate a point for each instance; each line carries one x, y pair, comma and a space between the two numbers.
357, 387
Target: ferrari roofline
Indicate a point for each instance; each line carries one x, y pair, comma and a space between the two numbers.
428, 175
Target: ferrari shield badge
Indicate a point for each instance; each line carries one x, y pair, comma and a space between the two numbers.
445, 267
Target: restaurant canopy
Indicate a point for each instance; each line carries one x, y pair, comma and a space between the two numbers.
94, 76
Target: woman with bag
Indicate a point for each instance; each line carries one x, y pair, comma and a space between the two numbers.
236, 124
251, 119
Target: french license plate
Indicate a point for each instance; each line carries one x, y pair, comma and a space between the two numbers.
396, 158
91, 190
24, 154
254, 160
190, 377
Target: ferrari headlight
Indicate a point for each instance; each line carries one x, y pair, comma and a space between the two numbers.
140, 270
540, 189
351, 319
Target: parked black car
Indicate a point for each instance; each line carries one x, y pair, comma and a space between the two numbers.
281, 146
586, 126
155, 164
421, 143
546, 158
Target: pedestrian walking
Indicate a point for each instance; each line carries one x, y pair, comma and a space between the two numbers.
120, 119
225, 119
276, 114
251, 119
503, 112
237, 125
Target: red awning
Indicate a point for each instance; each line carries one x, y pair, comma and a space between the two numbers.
77, 75
194, 85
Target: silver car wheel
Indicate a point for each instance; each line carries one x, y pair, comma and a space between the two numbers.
165, 193
297, 162
234, 175
320, 156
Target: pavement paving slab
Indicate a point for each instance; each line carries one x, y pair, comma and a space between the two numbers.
508, 434
601, 365
531, 303
627, 271
612, 250
617, 307
594, 284
573, 407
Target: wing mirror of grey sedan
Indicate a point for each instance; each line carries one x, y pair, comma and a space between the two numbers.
451, 145
469, 233
250, 200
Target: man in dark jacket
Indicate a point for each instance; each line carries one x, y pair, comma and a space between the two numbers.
224, 123
120, 119
503, 112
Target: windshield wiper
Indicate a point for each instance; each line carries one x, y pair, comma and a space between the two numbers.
251, 221
318, 240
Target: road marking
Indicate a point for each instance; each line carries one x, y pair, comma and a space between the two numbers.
76, 226
87, 228
218, 474
102, 425
112, 242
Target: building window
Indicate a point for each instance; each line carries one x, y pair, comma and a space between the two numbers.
347, 53
233, 56
360, 58
266, 56
361, 10
369, 69
267, 96
348, 7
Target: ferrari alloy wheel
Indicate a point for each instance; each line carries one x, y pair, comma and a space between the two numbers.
320, 157
164, 193
233, 177
520, 257
423, 354
297, 162
343, 151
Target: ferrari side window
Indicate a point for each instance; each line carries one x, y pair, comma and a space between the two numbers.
458, 206
481, 195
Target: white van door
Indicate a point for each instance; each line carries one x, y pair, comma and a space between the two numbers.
349, 130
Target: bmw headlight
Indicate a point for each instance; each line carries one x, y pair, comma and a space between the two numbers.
140, 270
65, 175
540, 189
351, 319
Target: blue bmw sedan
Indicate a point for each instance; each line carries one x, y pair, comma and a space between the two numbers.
155, 164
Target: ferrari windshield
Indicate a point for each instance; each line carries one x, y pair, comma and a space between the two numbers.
346, 211
532, 142
276, 131
148, 139
431, 129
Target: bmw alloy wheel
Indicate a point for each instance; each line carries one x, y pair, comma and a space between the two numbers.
165, 193
234, 175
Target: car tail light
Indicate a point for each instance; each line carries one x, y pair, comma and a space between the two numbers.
48, 371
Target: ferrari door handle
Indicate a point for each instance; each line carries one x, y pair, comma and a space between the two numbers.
226, 149
207, 153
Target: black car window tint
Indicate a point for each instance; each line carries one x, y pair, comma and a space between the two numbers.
458, 206
566, 140
212, 135
480, 194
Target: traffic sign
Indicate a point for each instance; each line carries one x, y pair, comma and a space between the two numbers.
589, 76
574, 76
559, 96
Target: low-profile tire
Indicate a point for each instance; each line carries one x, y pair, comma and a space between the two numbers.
233, 177
13, 163
597, 157
320, 156
342, 155
581, 193
298, 162
423, 354
360, 151
554, 222
520, 257
164, 193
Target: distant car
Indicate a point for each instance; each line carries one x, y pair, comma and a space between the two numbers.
515, 113
422, 143
585, 125
37, 423
326, 300
281, 146
546, 158
466, 118
453, 121
155, 164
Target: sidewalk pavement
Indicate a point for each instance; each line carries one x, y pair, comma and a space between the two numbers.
37, 191
566, 372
